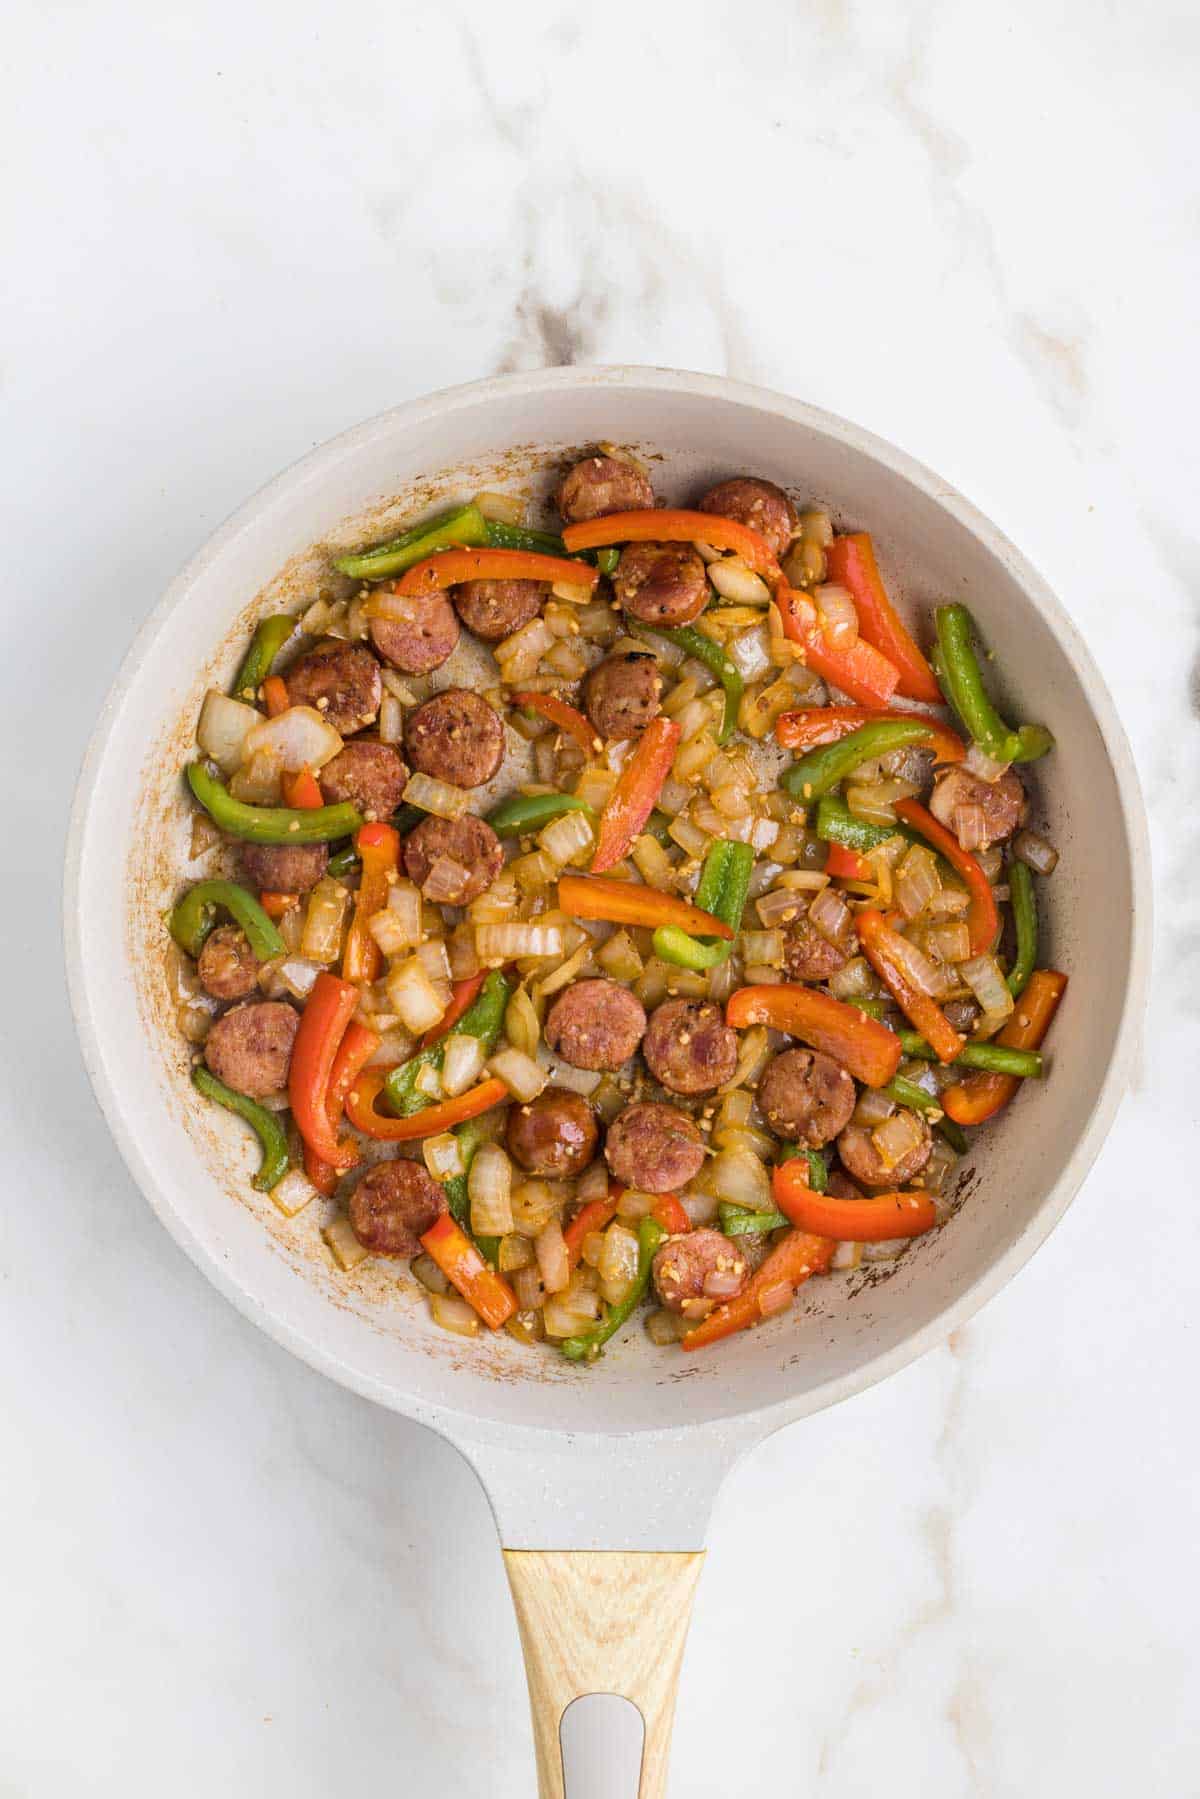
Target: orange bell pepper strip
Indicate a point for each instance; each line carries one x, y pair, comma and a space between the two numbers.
633, 798
983, 920
791, 1262
675, 525
810, 727
850, 562
842, 864
463, 1266
463, 995
859, 669
863, 1046
565, 717
884, 950
355, 1050
449, 567
379, 851
275, 696
669, 1212
981, 1096
872, 1220
327, 1012
429, 1122
591, 1217
301, 791
276, 904
628, 902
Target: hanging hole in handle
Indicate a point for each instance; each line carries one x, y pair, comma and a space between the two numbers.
601, 1736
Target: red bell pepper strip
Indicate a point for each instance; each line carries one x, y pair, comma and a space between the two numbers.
983, 920
275, 696
866, 1048
379, 852
628, 902
354, 1052
981, 1096
302, 792
591, 1217
633, 798
842, 864
463, 1266
850, 562
463, 995
812, 726
565, 717
450, 567
871, 1220
360, 1109
858, 669
276, 904
675, 525
790, 1262
327, 1012
670, 1214
884, 949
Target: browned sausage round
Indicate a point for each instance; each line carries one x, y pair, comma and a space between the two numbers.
284, 867
456, 737
839, 1186
343, 682
686, 1266
807, 956
689, 1047
759, 504
661, 583
595, 1024
370, 775
227, 966
393, 1205
599, 485
654, 1148
453, 860
863, 1163
422, 635
1004, 802
622, 694
806, 1097
553, 1136
250, 1048
495, 609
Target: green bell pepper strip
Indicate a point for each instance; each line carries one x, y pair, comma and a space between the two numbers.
736, 1221
483, 1019
724, 883
270, 635
909, 1094
465, 525
343, 863
607, 560
818, 1168
954, 1134
836, 823
264, 1124
518, 537
821, 770
1024, 910
995, 1058
874, 1008
695, 644
587, 1347
269, 824
960, 679
522, 813
196, 915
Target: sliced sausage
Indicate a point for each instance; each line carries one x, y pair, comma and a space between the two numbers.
453, 860
806, 1097
370, 775
686, 1267
250, 1048
863, 1163
553, 1136
759, 504
595, 1024
661, 583
839, 1186
1003, 802
284, 867
456, 736
227, 966
807, 956
495, 609
622, 694
421, 636
393, 1205
654, 1148
689, 1047
341, 680
599, 485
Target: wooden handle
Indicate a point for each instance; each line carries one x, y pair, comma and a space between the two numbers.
602, 1621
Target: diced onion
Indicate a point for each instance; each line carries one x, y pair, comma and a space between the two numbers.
830, 915
398, 687
779, 906
293, 1192
567, 839
664, 1327
257, 782
978, 762
391, 719
518, 656
438, 797
838, 615
533, 1203
740, 1178
917, 966
527, 1285
952, 942
426, 1270
515, 1252
854, 981
618, 1263
895, 1137
489, 1187
453, 1314
296, 976
398, 925
635, 1204
413, 995
969, 825
565, 973
551, 1251
344, 1246
443, 1156
763, 946
735, 582
521, 1025
223, 728
986, 981
575, 593
1041, 856
462, 1063
723, 1283
505, 508
497, 943
576, 1080
750, 653
873, 1107
298, 738
753, 1051
846, 1255
328, 904
523, 1077
917, 880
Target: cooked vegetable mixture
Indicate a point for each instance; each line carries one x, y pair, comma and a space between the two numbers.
707, 1003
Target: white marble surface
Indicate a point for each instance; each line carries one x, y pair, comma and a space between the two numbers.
233, 230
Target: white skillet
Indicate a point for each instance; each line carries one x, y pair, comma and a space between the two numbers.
601, 1479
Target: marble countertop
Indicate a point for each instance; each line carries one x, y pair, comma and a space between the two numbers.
235, 230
